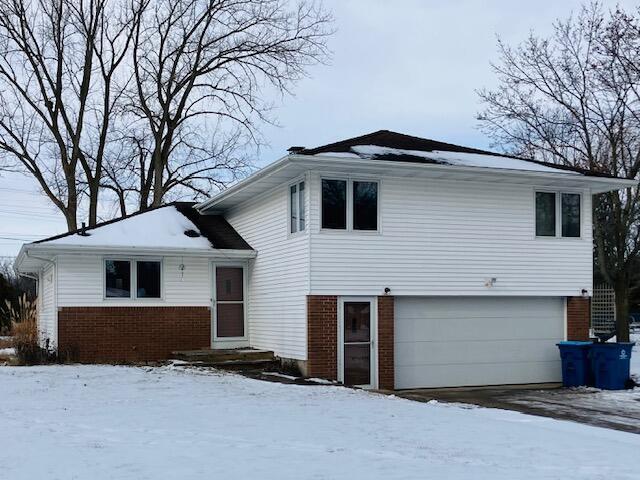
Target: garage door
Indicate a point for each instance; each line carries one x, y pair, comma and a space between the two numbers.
449, 342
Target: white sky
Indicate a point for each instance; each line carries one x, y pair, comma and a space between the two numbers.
406, 65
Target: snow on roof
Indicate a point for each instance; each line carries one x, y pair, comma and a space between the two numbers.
162, 227
462, 159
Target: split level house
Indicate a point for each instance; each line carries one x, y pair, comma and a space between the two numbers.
384, 261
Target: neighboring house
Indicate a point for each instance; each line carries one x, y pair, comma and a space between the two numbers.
384, 260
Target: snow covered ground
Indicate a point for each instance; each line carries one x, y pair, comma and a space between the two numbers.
103, 422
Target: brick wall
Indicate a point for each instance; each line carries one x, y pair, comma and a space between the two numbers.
322, 336
131, 334
385, 342
578, 318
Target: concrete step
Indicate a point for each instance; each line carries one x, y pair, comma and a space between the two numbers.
235, 356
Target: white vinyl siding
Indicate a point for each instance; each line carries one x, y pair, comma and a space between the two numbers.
451, 342
278, 276
441, 237
81, 282
47, 315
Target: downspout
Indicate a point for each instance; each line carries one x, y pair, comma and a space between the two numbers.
55, 293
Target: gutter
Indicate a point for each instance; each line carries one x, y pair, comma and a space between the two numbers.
127, 250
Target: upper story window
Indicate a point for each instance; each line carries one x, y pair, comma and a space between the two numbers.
558, 214
334, 204
121, 275
350, 205
297, 219
365, 205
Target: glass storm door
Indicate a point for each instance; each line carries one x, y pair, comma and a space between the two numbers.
357, 347
229, 302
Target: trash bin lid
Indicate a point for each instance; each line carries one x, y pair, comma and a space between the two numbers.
574, 343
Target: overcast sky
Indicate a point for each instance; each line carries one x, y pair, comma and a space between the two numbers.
406, 65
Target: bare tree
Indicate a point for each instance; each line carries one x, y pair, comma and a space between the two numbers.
194, 168
201, 65
572, 99
58, 63
144, 100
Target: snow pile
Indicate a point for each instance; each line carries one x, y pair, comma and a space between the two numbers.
160, 228
449, 158
104, 422
5, 352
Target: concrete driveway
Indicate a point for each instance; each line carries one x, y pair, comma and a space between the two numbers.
619, 410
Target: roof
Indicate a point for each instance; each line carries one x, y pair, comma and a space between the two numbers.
390, 153
175, 225
393, 146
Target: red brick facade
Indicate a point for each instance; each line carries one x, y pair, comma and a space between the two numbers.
578, 318
131, 334
322, 336
385, 343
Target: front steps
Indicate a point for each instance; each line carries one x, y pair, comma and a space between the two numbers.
232, 359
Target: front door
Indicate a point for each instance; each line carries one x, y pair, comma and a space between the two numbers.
358, 334
229, 325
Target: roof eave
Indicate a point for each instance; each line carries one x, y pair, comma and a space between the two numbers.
599, 184
232, 190
132, 250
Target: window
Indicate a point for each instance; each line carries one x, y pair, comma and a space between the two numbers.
118, 278
147, 279
120, 275
229, 302
558, 214
358, 197
570, 215
545, 214
334, 204
365, 205
296, 207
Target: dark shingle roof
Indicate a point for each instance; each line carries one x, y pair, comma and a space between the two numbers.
214, 228
400, 141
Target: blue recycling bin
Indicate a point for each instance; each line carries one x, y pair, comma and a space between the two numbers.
576, 367
610, 363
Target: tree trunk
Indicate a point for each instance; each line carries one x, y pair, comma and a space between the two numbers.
94, 191
158, 170
621, 288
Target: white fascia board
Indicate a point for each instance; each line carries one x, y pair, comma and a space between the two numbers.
44, 248
605, 183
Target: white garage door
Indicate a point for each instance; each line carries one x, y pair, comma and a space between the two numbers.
449, 342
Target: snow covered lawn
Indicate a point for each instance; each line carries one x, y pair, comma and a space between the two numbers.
103, 422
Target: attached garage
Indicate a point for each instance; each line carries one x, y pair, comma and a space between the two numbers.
468, 341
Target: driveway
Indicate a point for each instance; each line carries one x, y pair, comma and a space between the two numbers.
619, 410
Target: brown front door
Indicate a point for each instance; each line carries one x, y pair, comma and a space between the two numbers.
229, 302
357, 334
